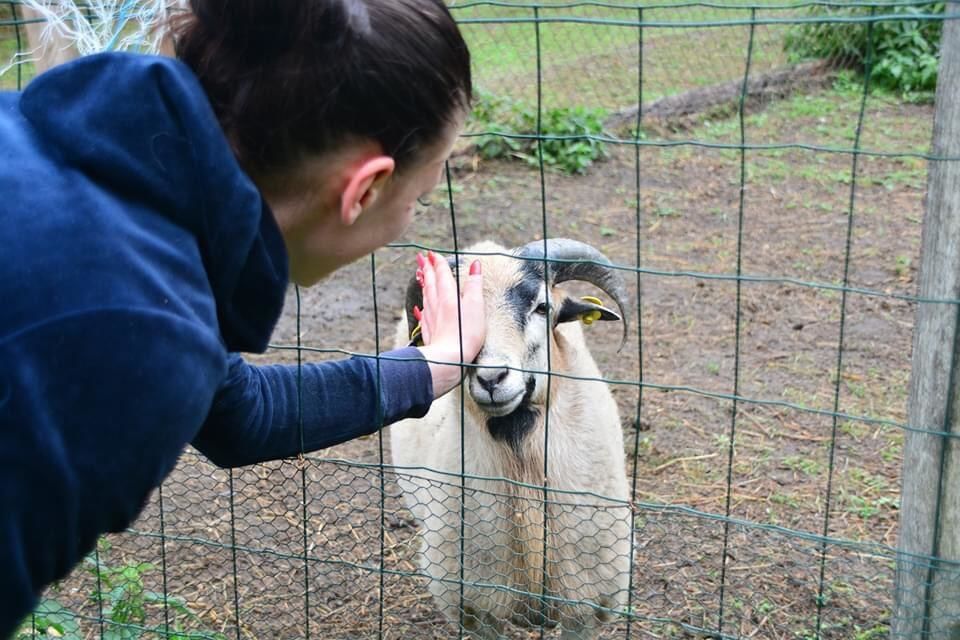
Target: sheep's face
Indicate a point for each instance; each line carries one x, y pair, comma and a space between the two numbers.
508, 382
506, 374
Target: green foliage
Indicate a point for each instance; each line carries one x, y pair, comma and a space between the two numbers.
867, 508
873, 633
50, 620
905, 50
126, 603
566, 133
804, 465
122, 592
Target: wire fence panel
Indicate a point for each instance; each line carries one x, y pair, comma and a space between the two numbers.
763, 201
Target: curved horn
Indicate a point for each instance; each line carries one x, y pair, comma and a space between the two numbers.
574, 260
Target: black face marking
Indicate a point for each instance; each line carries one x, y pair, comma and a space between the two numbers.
520, 297
533, 349
513, 427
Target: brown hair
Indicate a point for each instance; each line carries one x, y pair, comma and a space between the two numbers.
295, 78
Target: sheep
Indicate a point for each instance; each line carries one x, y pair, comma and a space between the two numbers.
504, 402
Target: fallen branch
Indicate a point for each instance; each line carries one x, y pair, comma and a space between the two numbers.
676, 460
762, 87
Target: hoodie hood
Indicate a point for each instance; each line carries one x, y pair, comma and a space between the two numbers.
142, 128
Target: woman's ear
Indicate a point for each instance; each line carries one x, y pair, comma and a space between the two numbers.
364, 183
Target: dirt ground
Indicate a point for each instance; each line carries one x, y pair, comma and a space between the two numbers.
290, 550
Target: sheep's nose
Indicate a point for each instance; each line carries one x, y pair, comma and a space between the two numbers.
489, 378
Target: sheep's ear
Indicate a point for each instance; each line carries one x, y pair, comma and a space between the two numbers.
588, 309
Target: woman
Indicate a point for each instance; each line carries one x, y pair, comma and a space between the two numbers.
152, 213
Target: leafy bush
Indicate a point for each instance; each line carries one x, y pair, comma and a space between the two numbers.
906, 50
125, 601
567, 144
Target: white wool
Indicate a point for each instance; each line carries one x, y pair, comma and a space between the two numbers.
588, 526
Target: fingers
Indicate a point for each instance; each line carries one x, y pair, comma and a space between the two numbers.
472, 288
439, 291
446, 286
473, 308
439, 318
428, 283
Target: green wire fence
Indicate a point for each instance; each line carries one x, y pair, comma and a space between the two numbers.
767, 209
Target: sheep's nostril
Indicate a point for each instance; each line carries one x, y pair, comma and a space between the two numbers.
490, 378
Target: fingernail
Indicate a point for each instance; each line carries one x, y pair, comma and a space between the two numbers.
420, 277
420, 261
475, 268
416, 312
433, 257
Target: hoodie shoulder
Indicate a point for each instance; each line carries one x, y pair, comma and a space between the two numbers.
129, 147
127, 120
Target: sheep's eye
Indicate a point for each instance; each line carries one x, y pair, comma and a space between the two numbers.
541, 309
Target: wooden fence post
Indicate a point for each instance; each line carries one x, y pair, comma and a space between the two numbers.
928, 593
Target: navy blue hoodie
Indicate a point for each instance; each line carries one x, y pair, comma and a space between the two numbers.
136, 258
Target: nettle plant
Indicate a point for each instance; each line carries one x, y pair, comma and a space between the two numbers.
569, 135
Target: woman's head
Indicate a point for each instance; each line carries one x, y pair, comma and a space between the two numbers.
290, 80
342, 111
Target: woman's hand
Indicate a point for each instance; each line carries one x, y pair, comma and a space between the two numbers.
440, 327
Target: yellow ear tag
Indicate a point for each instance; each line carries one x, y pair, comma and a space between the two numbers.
590, 317
415, 334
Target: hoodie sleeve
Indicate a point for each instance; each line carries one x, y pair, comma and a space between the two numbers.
268, 412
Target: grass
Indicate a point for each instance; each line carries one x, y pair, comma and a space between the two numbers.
826, 119
596, 64
803, 465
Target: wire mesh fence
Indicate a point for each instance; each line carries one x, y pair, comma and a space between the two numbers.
766, 214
